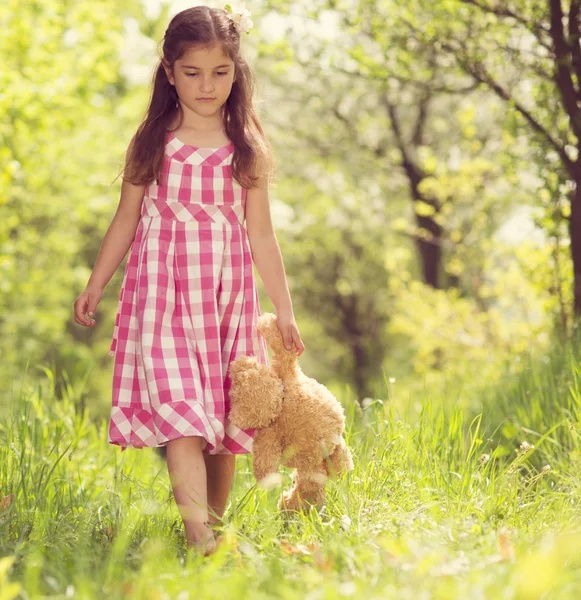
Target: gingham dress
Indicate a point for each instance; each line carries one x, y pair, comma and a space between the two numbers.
188, 307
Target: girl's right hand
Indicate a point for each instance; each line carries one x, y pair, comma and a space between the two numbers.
86, 303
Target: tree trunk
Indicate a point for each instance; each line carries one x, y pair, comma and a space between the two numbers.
575, 234
357, 344
430, 250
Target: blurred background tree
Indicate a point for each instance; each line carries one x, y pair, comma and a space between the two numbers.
426, 190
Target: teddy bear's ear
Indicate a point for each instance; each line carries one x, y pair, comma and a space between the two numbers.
256, 394
266, 322
268, 327
241, 364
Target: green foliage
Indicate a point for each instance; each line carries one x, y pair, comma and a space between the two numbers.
60, 84
340, 250
446, 336
65, 119
388, 116
474, 501
343, 207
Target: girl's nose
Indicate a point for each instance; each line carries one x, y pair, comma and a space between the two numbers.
206, 85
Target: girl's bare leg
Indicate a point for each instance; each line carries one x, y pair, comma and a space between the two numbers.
220, 470
187, 471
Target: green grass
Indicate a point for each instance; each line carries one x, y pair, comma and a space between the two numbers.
445, 504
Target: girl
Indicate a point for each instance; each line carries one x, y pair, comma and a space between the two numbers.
196, 169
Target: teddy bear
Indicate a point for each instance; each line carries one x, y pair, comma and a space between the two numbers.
298, 421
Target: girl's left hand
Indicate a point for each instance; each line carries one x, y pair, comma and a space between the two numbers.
290, 331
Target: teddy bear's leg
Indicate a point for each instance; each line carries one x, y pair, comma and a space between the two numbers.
339, 461
266, 453
308, 490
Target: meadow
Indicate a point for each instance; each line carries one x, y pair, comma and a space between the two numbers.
476, 496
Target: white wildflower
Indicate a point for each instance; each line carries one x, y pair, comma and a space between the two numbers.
525, 447
241, 17
366, 402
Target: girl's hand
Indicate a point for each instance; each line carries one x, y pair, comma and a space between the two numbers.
87, 303
289, 331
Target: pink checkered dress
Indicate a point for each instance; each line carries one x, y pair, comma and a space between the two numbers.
188, 307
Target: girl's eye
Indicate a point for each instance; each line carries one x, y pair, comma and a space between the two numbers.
217, 73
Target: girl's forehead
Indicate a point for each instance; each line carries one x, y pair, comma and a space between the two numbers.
205, 58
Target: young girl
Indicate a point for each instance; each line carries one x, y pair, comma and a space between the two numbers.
195, 170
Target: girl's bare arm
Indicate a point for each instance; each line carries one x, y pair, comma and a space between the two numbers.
119, 236
115, 244
267, 257
117, 240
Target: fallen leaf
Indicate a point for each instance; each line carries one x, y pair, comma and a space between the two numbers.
288, 548
321, 561
506, 548
6, 501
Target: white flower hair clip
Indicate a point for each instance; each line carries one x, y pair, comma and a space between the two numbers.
241, 18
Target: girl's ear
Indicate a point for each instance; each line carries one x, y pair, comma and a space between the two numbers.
168, 72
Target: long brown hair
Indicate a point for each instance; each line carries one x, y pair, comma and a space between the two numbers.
200, 27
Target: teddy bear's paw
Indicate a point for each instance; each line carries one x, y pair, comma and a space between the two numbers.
288, 502
305, 500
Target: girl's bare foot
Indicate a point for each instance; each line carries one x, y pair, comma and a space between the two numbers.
219, 540
202, 538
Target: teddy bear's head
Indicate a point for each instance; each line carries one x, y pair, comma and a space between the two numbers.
256, 393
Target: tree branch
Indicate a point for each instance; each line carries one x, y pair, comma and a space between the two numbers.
422, 85
538, 29
478, 71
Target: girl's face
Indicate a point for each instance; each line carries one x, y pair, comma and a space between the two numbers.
203, 73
